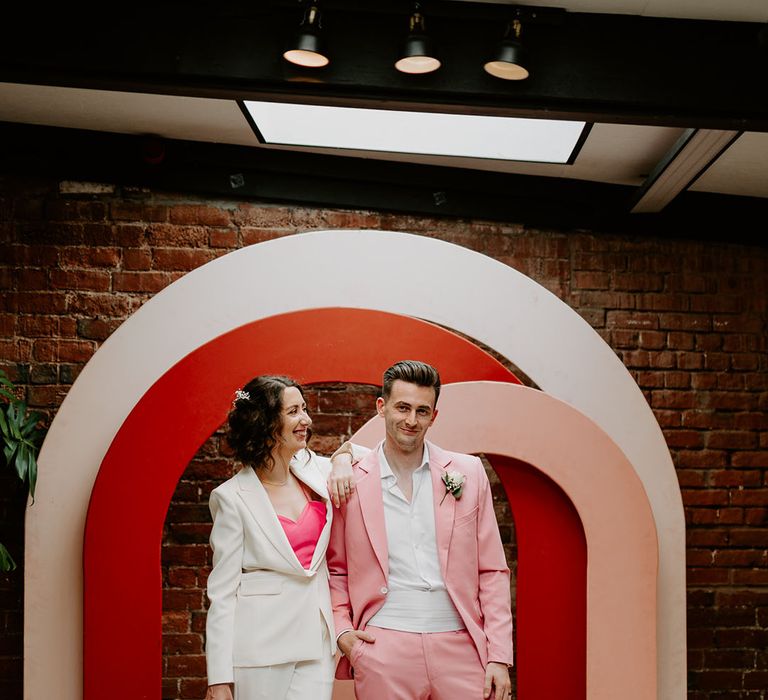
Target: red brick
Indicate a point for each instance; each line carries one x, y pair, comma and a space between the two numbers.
40, 302
96, 328
100, 304
252, 235
757, 680
137, 259
38, 326
89, 256
180, 258
632, 320
710, 497
731, 477
751, 577
182, 578
639, 282
689, 439
707, 575
698, 557
131, 235
722, 516
677, 380
174, 621
716, 680
742, 440
172, 235
260, 215
622, 338
750, 459
752, 537
223, 238
756, 516
186, 665
690, 360
673, 399
29, 279
199, 215
191, 555
685, 322
750, 497
30, 255
193, 688
706, 536
181, 599
739, 558
182, 644
138, 211
745, 361
91, 280
140, 281
591, 280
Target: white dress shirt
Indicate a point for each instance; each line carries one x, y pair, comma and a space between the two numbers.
417, 600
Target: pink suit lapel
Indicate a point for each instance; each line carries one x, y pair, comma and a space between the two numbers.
438, 464
372, 507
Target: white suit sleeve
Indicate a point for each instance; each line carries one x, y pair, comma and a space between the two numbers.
227, 544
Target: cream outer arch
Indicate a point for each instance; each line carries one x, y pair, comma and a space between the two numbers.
437, 281
576, 454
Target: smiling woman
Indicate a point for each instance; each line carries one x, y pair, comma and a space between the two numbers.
270, 530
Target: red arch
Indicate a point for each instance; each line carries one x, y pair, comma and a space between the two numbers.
551, 611
123, 531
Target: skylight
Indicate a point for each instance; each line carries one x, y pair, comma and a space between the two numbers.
427, 133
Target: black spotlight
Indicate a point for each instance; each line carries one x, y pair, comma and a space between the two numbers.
307, 48
417, 53
509, 60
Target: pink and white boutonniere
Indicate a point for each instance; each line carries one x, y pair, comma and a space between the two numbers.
454, 482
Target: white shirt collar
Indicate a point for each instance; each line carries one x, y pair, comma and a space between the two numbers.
386, 470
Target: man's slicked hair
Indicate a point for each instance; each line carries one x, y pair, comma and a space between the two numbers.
413, 372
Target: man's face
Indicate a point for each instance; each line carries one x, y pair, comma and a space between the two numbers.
408, 412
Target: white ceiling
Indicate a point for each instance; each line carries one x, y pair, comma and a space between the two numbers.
733, 10
618, 154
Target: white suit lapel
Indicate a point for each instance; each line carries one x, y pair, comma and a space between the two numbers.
256, 500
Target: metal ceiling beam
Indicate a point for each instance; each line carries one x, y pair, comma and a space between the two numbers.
685, 162
600, 68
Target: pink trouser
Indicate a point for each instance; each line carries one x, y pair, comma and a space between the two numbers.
417, 666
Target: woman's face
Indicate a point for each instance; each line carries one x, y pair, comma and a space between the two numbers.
294, 420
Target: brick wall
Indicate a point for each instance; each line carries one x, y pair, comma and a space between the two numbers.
687, 318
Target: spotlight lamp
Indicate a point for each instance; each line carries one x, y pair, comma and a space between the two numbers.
417, 53
509, 60
307, 48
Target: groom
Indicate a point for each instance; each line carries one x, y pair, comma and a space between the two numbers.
419, 581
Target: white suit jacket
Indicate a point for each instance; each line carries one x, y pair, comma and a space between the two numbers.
265, 608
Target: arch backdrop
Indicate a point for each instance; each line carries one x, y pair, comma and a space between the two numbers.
396, 273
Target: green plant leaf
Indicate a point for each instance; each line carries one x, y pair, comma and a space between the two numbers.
6, 560
32, 475
22, 461
29, 425
4, 423
10, 451
8, 395
13, 421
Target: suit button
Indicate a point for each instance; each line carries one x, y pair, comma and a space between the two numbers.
383, 590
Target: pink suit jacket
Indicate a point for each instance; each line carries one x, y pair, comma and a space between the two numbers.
471, 555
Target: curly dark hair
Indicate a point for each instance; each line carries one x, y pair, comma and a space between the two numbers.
255, 422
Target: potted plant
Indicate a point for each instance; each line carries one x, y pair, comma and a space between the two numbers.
21, 439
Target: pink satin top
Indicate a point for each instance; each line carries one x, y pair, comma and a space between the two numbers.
304, 533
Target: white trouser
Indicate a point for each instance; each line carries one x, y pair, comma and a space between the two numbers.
297, 680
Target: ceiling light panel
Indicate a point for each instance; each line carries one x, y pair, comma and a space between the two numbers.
459, 135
